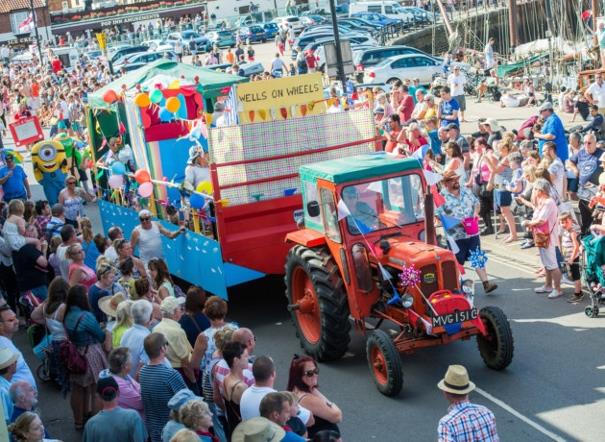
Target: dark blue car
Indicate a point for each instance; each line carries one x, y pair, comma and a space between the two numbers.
271, 30
253, 34
379, 19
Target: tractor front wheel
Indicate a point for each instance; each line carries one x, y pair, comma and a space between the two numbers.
497, 346
385, 363
318, 303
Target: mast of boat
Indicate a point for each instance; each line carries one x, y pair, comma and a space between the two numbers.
595, 14
512, 24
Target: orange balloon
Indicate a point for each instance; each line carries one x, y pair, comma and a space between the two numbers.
173, 104
142, 176
110, 96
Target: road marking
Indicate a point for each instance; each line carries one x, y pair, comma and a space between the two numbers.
519, 416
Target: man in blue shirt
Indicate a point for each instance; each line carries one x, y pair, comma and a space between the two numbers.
596, 124
14, 180
448, 108
552, 131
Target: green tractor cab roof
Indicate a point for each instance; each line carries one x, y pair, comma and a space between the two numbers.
358, 167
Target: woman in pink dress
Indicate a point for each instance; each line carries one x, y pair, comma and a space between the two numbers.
79, 273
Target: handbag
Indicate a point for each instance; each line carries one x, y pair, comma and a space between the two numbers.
74, 361
542, 239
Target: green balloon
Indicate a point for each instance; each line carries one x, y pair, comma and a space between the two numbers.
156, 96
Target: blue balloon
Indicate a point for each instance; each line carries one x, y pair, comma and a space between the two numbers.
165, 114
118, 168
196, 201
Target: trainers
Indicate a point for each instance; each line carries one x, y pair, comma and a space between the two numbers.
566, 280
542, 290
575, 298
527, 245
554, 294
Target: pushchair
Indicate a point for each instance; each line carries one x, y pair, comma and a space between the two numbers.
593, 276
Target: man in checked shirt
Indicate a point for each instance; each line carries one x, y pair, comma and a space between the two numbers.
464, 421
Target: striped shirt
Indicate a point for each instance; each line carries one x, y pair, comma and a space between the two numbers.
466, 422
158, 384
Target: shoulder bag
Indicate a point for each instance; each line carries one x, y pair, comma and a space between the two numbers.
74, 361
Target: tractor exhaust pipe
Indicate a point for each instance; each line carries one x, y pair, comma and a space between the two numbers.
430, 233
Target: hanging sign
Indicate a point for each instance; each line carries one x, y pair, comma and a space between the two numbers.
258, 97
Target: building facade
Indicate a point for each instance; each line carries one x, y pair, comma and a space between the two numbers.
17, 23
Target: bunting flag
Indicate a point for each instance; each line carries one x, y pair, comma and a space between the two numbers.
453, 246
432, 178
231, 105
343, 210
438, 199
420, 153
385, 274
449, 222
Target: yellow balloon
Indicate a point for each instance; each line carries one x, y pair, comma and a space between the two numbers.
208, 119
224, 202
174, 84
173, 104
142, 100
204, 187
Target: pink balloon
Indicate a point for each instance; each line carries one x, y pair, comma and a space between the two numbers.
145, 190
115, 181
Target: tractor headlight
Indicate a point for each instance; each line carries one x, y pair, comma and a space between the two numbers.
468, 288
407, 301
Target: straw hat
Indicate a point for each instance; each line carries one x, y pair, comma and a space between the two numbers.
7, 357
456, 381
450, 175
109, 304
258, 429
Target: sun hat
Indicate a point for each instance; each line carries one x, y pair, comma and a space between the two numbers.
450, 175
170, 303
109, 304
194, 153
456, 381
180, 398
258, 429
7, 357
493, 123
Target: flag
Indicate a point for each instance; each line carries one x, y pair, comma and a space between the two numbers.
421, 152
448, 222
231, 108
453, 246
343, 210
385, 274
438, 199
432, 178
27, 25
363, 229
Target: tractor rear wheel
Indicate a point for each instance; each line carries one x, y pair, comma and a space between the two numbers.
497, 347
385, 363
317, 302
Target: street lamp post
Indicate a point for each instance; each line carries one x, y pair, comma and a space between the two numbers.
340, 69
31, 5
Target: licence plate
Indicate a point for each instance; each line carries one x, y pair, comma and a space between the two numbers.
454, 318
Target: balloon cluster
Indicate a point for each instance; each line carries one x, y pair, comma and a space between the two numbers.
143, 178
409, 276
116, 180
197, 201
170, 107
478, 258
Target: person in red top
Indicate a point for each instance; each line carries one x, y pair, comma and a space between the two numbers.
23, 112
311, 61
56, 65
412, 137
406, 104
393, 134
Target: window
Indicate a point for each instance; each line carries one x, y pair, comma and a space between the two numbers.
388, 10
374, 8
19, 24
330, 216
401, 63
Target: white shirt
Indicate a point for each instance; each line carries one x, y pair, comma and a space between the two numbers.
598, 93
456, 83
250, 401
64, 261
195, 174
489, 56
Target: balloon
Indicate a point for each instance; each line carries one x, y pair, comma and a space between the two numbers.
204, 187
142, 100
145, 190
142, 176
165, 115
196, 201
156, 96
115, 181
118, 168
173, 104
175, 84
110, 96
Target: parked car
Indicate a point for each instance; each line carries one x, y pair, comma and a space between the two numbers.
119, 52
222, 39
389, 8
421, 17
312, 19
271, 29
293, 21
379, 19
372, 57
145, 57
252, 33
192, 41
354, 38
360, 24
320, 53
402, 67
251, 68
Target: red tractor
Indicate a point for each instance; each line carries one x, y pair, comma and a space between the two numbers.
367, 218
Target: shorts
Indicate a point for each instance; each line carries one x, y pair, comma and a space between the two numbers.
466, 246
573, 270
502, 198
461, 102
572, 184
548, 257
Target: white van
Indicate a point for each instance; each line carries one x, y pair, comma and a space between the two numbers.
391, 9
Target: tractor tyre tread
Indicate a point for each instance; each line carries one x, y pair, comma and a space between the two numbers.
394, 382
503, 354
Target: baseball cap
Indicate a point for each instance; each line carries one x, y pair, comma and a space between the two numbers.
547, 105
180, 398
452, 126
171, 303
378, 110
107, 388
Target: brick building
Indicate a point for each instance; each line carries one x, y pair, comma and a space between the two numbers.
16, 24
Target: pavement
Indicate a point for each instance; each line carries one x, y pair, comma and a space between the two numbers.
553, 390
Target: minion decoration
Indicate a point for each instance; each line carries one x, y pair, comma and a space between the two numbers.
50, 168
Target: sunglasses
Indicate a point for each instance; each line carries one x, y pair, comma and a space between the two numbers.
145, 219
311, 373
71, 182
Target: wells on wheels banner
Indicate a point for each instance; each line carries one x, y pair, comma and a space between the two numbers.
281, 98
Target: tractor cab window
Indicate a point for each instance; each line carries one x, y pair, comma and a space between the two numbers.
382, 204
330, 216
